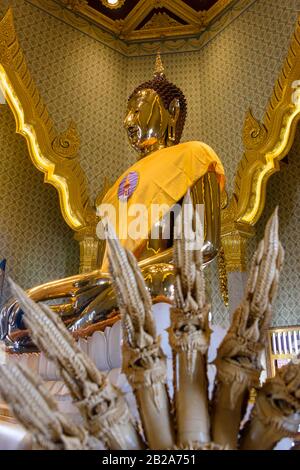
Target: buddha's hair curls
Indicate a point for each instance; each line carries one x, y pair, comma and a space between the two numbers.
167, 91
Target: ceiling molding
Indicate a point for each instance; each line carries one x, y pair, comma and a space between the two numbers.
194, 20
161, 20
183, 38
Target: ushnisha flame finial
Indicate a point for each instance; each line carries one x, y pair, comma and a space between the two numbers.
159, 68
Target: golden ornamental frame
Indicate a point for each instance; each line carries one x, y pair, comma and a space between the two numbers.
266, 144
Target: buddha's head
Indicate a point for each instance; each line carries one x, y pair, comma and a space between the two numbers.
156, 114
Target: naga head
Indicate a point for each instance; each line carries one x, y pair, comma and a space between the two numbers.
156, 113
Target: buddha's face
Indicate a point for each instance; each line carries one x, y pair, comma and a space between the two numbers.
147, 122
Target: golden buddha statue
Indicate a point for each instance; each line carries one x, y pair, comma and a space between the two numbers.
164, 172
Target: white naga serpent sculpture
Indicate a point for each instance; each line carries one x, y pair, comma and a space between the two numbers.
188, 420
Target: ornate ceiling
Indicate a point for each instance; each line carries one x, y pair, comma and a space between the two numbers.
143, 20
134, 27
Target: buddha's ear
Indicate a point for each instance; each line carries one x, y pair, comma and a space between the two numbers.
174, 109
